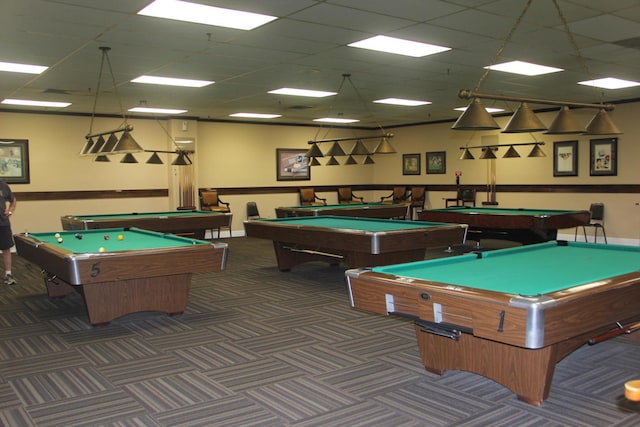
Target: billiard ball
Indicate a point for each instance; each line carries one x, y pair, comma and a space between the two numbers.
78, 236
120, 237
57, 235
101, 249
59, 239
106, 237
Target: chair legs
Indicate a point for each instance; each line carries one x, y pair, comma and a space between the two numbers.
595, 233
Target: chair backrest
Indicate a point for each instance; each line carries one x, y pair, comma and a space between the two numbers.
597, 211
209, 198
399, 194
467, 194
345, 194
307, 196
418, 197
252, 211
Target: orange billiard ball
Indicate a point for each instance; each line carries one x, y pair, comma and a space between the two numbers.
120, 237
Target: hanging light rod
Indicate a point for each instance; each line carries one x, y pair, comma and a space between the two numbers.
127, 128
502, 145
468, 94
355, 138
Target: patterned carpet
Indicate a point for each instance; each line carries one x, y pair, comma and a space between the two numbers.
257, 347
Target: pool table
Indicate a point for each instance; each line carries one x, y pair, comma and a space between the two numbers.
364, 210
526, 226
357, 242
510, 314
143, 271
189, 223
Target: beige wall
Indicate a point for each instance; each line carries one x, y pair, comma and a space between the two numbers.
238, 155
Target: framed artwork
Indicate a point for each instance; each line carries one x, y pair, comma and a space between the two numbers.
604, 157
411, 164
437, 162
14, 161
292, 165
565, 158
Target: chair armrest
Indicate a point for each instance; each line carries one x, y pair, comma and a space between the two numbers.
324, 201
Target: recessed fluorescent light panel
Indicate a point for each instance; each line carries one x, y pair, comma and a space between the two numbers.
21, 68
610, 83
156, 110
404, 102
489, 109
523, 68
256, 115
335, 120
399, 46
30, 103
301, 92
170, 81
208, 15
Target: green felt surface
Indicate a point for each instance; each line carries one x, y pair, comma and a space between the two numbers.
344, 206
350, 223
502, 211
133, 239
526, 270
145, 215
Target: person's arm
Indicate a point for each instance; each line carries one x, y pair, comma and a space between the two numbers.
12, 207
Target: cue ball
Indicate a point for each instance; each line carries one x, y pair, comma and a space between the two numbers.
101, 249
120, 237
59, 239
106, 237
57, 235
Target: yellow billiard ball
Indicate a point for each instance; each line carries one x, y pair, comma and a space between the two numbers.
101, 249
120, 237
57, 235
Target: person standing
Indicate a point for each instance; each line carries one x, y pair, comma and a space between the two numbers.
6, 234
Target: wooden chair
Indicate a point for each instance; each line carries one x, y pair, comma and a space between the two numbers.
210, 201
597, 222
399, 195
345, 195
417, 196
308, 197
464, 197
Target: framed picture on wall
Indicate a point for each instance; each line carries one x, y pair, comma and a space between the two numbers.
292, 165
14, 161
436, 162
411, 164
603, 159
565, 158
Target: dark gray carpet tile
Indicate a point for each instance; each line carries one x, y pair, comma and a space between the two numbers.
264, 310
330, 331
297, 319
277, 343
367, 380
408, 359
96, 335
375, 346
593, 383
15, 417
363, 414
13, 318
31, 346
117, 351
133, 421
217, 355
183, 339
318, 359
59, 385
467, 383
152, 324
144, 369
256, 373
232, 411
431, 404
69, 324
299, 398
504, 417
8, 398
199, 316
22, 331
98, 409
41, 363
243, 328
176, 391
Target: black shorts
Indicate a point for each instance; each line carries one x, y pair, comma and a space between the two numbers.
6, 238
